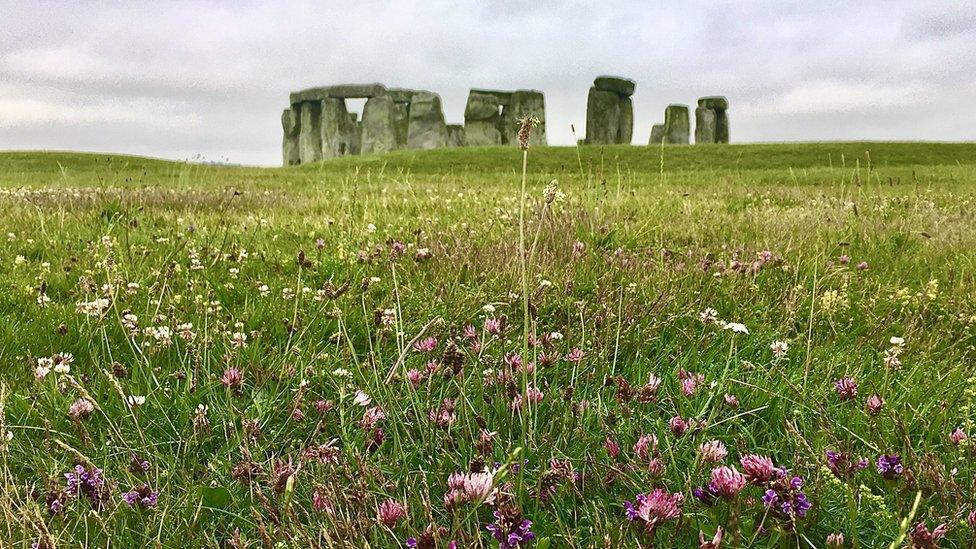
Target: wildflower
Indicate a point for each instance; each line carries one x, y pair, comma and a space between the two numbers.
81, 409
86, 482
713, 543
233, 379
414, 377
390, 512
690, 381
889, 466
361, 398
613, 449
862, 266
835, 541
135, 400
735, 327
709, 316
874, 405
726, 482
779, 348
713, 451
142, 496
842, 464
846, 388
44, 366
922, 538
731, 400
511, 529
575, 355
758, 469
493, 326
655, 508
957, 436
525, 131
678, 426
844, 259
645, 446
425, 345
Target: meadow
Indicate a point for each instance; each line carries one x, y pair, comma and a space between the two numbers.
707, 346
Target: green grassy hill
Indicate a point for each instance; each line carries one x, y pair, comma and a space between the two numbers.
93, 169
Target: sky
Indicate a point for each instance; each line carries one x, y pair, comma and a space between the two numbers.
208, 80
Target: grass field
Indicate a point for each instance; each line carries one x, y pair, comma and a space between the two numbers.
769, 343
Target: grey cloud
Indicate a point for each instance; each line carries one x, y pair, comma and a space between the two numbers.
190, 77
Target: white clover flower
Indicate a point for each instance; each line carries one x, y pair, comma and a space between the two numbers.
736, 327
362, 398
136, 400
779, 348
898, 341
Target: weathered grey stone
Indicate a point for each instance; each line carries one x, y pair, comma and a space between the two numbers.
530, 103
704, 125
455, 135
714, 102
481, 133
722, 131
289, 142
481, 106
401, 95
379, 125
677, 126
602, 117
342, 91
621, 86
357, 138
504, 97
309, 136
625, 132
657, 134
507, 126
337, 129
401, 121
427, 129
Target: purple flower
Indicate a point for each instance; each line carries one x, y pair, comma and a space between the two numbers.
801, 505
142, 496
770, 498
846, 388
889, 466
510, 528
88, 483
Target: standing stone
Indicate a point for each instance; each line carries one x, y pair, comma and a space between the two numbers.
309, 136
401, 122
620, 86
481, 118
289, 142
337, 128
677, 126
705, 121
530, 103
507, 126
482, 133
455, 135
626, 129
657, 134
602, 117
426, 129
379, 125
722, 132
712, 120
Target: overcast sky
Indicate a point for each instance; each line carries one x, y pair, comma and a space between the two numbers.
181, 79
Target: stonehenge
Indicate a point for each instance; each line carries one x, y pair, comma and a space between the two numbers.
317, 124
610, 111
712, 120
490, 116
677, 126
